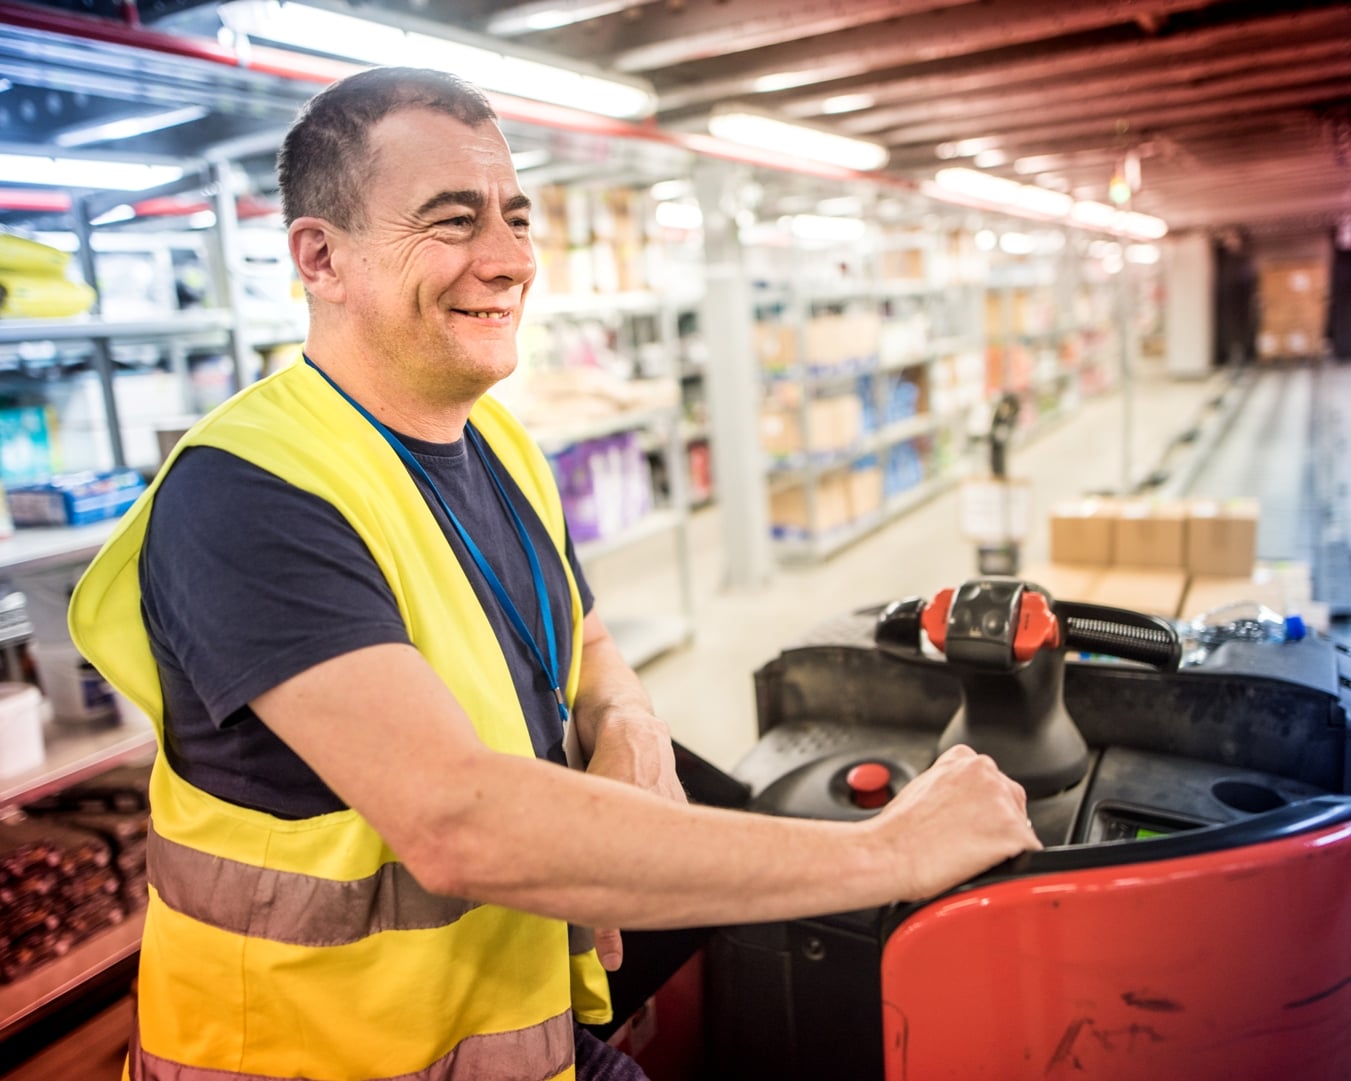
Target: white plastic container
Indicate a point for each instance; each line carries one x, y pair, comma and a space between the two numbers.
21, 746
78, 693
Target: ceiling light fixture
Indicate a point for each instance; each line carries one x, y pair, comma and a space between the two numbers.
824, 228
674, 215
739, 125
529, 159
782, 80
847, 103
1128, 223
996, 192
91, 173
677, 188
367, 41
550, 15
1007, 194
128, 127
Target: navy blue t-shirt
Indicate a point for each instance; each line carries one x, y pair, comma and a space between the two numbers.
247, 581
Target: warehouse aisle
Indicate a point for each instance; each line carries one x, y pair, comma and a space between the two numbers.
1267, 453
705, 691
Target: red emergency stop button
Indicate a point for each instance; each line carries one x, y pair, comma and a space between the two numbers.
869, 784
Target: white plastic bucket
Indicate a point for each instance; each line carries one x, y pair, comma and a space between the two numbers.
78, 693
21, 746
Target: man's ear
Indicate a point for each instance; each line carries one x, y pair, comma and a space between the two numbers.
313, 243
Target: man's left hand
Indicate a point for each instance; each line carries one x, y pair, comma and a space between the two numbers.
635, 749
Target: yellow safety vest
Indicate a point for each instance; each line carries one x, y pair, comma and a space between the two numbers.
278, 948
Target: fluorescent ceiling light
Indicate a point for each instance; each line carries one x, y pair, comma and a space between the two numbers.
1008, 194
821, 227
529, 159
1128, 223
989, 159
1017, 243
966, 147
663, 190
847, 103
527, 18
782, 80
121, 212
1094, 215
845, 206
768, 133
85, 173
1142, 254
671, 215
128, 127
1139, 226
367, 41
1037, 163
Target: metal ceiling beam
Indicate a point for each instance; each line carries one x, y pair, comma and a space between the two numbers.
974, 74
690, 32
971, 28
1103, 120
1176, 81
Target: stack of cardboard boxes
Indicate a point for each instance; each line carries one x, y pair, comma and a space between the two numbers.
1294, 299
1172, 558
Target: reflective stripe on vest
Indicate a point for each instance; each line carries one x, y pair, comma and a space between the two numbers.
283, 906
499, 1056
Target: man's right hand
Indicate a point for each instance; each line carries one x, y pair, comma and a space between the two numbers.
958, 818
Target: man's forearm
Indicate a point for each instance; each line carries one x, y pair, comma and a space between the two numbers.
610, 698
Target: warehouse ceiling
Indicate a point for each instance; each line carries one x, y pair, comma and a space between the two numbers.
1220, 114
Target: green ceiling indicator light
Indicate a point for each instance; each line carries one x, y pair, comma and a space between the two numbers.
482, 61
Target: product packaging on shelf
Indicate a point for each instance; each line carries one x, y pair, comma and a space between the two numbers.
75, 498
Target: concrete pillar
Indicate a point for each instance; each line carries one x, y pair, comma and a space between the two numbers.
732, 376
1189, 299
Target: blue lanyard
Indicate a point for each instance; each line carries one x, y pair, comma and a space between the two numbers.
549, 667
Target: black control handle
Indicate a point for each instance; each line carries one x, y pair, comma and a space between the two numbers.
1131, 636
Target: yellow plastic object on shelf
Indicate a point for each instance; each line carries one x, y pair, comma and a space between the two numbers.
31, 256
40, 296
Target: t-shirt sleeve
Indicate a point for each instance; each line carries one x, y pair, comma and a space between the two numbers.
583, 587
247, 581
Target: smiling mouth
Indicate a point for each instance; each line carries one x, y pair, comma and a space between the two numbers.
487, 316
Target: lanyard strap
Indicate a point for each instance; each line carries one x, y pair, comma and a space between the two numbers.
549, 666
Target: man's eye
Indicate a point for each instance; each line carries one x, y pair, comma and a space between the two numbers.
460, 221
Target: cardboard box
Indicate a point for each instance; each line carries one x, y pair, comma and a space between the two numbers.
1064, 581
1150, 534
1083, 531
830, 341
833, 424
1153, 592
865, 491
790, 512
776, 346
1222, 537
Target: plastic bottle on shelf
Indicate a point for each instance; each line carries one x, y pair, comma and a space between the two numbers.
1241, 621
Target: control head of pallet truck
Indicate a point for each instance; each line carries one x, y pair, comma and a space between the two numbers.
998, 624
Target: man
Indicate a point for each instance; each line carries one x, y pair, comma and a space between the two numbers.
350, 604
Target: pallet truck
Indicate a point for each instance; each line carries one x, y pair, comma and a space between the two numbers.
1190, 916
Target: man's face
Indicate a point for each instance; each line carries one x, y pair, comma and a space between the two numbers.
437, 275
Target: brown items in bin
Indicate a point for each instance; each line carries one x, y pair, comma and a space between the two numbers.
57, 886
